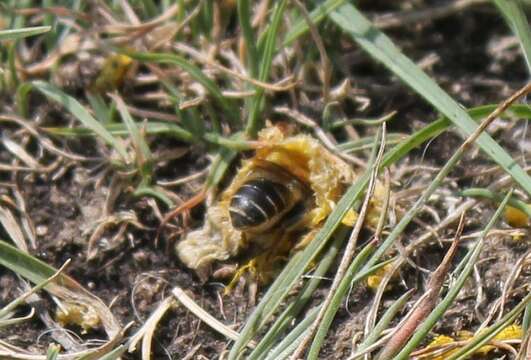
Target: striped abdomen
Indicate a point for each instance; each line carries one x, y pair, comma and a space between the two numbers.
258, 204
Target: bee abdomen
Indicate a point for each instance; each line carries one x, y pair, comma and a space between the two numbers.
258, 202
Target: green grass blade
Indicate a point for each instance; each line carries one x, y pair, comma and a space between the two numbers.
64, 287
526, 322
380, 47
219, 166
24, 264
153, 192
48, 20
337, 300
365, 143
115, 354
467, 265
293, 309
5, 310
244, 16
389, 241
515, 16
192, 121
443, 123
481, 339
143, 154
300, 261
81, 114
11, 55
116, 129
22, 99
101, 110
150, 9
487, 194
230, 110
160, 128
292, 340
14, 34
255, 121
235, 142
53, 352
415, 208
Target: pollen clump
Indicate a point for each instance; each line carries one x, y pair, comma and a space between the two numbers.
516, 217
76, 314
443, 346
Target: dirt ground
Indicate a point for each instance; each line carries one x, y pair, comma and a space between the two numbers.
471, 54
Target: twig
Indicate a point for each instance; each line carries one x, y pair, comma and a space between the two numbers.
433, 288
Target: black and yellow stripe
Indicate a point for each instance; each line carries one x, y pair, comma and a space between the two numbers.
258, 202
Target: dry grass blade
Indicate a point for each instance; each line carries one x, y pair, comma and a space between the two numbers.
14, 34
297, 264
17, 320
21, 153
511, 279
12, 227
64, 287
147, 330
282, 85
45, 142
11, 306
371, 317
427, 305
121, 219
208, 319
488, 334
326, 70
10, 352
370, 343
7, 167
525, 350
143, 27
465, 268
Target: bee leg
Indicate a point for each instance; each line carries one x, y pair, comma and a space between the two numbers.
245, 277
240, 272
263, 268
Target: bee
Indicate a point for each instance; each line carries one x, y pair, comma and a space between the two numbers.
275, 204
